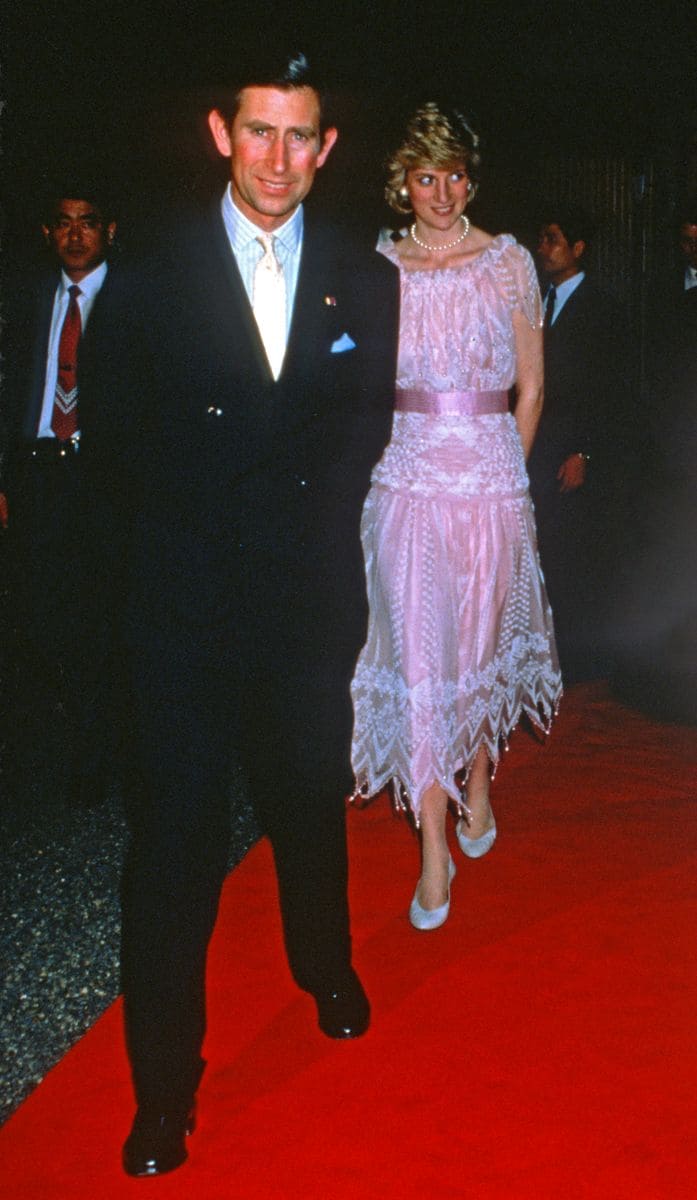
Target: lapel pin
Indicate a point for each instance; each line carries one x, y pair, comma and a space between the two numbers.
330, 301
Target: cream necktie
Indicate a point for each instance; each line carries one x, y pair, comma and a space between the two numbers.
269, 303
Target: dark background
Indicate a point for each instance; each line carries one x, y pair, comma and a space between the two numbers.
123, 89
589, 103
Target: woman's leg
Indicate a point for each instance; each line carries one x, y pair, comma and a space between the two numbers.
433, 885
481, 817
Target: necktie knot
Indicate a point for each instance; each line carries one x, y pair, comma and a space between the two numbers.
269, 259
74, 291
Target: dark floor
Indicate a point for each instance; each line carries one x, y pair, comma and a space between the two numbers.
59, 922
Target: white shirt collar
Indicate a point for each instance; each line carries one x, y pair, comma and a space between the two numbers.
565, 289
89, 285
242, 231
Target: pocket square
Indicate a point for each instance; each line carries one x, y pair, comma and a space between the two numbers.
342, 344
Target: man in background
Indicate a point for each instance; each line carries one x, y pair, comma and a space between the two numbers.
41, 492
578, 467
687, 241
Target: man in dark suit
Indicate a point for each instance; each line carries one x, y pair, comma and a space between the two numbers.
41, 483
657, 664
687, 242
576, 466
249, 394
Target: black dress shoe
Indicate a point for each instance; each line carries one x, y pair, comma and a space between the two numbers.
155, 1144
343, 1010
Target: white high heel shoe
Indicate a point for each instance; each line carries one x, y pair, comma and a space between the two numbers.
475, 847
431, 918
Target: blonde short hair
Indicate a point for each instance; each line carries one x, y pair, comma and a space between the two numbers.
435, 137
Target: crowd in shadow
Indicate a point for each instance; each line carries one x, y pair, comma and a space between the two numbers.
655, 611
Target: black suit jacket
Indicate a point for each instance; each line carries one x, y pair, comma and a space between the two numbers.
25, 347
586, 392
670, 327
210, 482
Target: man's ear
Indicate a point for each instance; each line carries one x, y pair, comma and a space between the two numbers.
47, 234
578, 249
328, 140
220, 129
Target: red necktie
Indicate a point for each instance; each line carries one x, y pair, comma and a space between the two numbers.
64, 419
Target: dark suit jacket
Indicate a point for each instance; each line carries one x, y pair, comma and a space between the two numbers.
586, 392
671, 450
25, 341
25, 345
671, 324
210, 482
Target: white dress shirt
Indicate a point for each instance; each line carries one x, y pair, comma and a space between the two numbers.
89, 287
690, 278
564, 290
242, 235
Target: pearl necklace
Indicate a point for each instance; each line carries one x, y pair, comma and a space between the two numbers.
443, 245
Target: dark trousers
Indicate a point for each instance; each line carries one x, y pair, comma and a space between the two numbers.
46, 598
201, 699
570, 538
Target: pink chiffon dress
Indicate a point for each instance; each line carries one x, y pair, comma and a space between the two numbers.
460, 640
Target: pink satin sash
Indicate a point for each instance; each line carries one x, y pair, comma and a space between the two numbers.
469, 403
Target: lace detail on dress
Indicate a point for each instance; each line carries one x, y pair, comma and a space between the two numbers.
460, 642
521, 279
456, 327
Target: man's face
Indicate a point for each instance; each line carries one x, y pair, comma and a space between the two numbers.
558, 259
274, 147
78, 236
688, 244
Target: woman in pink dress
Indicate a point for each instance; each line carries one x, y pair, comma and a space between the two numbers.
460, 640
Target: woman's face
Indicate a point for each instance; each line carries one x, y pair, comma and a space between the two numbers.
438, 196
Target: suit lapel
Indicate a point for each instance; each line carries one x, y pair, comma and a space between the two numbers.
311, 317
575, 304
222, 296
231, 334
42, 328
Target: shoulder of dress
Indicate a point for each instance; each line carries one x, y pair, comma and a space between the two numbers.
514, 262
508, 247
387, 248
517, 277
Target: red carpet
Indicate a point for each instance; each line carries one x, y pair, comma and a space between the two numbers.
541, 1045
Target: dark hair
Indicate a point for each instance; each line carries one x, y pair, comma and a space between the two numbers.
274, 69
575, 223
686, 213
77, 190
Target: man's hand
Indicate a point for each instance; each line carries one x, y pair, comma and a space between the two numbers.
3, 510
572, 473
